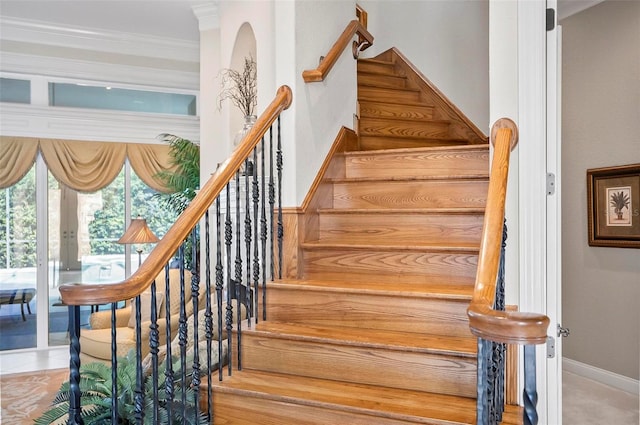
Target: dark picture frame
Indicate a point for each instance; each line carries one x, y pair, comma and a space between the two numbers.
613, 200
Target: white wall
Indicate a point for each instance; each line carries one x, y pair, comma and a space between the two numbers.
447, 40
601, 124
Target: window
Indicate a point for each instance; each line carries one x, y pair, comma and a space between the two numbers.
105, 97
15, 91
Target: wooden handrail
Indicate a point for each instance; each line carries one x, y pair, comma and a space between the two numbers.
500, 326
365, 40
77, 294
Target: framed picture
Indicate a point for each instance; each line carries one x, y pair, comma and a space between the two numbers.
613, 196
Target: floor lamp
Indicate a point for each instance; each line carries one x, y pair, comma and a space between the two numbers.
138, 233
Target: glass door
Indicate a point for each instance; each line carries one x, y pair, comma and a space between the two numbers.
83, 232
18, 277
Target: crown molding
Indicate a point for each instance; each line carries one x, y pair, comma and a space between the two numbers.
93, 125
98, 71
39, 32
207, 14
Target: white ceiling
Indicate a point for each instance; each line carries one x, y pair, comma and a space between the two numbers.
172, 19
158, 18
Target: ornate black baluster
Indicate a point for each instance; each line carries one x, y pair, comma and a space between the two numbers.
154, 344
168, 373
208, 322
182, 335
272, 201
482, 405
238, 270
247, 240
228, 238
219, 283
256, 260
195, 297
280, 224
114, 367
530, 394
75, 411
139, 391
500, 352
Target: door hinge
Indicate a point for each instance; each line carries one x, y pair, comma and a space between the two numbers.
551, 183
551, 347
551, 19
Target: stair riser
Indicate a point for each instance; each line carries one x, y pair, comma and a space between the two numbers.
246, 409
410, 194
418, 164
388, 95
385, 81
378, 228
372, 143
365, 365
377, 68
400, 266
393, 313
396, 128
391, 110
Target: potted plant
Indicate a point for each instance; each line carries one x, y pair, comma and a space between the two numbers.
95, 387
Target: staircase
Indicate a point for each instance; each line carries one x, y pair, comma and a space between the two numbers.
371, 328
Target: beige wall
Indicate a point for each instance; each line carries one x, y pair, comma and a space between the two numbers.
601, 127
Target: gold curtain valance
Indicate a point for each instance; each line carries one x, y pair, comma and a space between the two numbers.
83, 166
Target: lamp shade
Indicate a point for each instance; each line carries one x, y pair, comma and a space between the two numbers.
138, 232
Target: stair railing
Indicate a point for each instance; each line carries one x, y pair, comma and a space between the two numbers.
365, 40
249, 232
488, 319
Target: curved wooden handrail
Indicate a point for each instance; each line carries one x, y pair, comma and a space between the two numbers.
326, 63
485, 322
77, 294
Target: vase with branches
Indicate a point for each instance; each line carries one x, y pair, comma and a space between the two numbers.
240, 87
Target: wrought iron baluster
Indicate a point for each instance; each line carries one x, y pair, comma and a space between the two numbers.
530, 394
168, 372
219, 283
195, 297
238, 271
248, 236
256, 259
482, 406
228, 238
114, 367
154, 344
272, 201
182, 335
280, 224
208, 322
75, 411
139, 391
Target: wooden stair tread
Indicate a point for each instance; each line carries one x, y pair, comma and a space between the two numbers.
419, 149
373, 338
427, 246
419, 211
392, 403
459, 291
442, 178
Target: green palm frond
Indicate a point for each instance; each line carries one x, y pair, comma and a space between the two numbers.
619, 200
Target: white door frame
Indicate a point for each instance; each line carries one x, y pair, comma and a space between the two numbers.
518, 89
554, 215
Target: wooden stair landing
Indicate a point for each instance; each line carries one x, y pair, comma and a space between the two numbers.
372, 328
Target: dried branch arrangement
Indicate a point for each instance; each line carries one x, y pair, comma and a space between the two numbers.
240, 87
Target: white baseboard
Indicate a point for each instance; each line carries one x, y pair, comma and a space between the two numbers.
612, 379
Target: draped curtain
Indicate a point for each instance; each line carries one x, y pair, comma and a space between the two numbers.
83, 166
